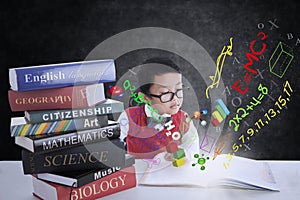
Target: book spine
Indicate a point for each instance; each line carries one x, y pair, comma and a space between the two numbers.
62, 75
111, 184
61, 141
58, 98
55, 127
55, 115
116, 182
96, 176
90, 156
100, 174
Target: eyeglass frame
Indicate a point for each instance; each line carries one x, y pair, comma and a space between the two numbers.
173, 94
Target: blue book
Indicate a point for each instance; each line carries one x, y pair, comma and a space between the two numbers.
62, 75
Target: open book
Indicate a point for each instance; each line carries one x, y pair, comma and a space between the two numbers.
241, 173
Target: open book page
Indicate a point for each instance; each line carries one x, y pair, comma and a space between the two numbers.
242, 173
166, 174
251, 173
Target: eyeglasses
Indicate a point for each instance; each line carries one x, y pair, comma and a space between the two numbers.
168, 96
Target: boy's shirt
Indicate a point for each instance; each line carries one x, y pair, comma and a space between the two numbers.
145, 142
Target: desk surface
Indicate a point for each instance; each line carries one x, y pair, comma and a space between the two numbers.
17, 186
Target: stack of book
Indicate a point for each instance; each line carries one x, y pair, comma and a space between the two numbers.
68, 142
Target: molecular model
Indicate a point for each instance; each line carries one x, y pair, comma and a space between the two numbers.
197, 115
200, 161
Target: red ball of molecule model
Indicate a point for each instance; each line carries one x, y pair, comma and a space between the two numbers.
116, 91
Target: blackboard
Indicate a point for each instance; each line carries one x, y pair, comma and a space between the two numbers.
36, 33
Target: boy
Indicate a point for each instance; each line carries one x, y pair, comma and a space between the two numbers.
160, 121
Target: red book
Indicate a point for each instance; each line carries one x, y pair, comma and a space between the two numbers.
58, 98
116, 182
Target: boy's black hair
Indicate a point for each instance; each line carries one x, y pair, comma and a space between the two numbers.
155, 67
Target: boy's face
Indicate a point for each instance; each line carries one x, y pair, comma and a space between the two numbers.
169, 82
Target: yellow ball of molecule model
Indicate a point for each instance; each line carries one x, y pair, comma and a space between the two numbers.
197, 115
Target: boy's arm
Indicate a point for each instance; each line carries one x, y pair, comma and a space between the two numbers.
124, 124
190, 140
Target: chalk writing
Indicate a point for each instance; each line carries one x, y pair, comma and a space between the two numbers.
250, 71
219, 67
223, 142
267, 117
272, 23
229, 156
244, 112
280, 59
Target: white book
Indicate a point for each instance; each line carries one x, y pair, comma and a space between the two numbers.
241, 173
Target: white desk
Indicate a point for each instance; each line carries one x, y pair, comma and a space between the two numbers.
16, 186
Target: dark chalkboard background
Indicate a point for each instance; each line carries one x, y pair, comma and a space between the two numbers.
45, 32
